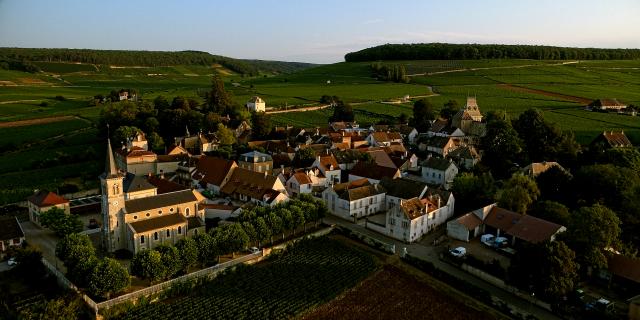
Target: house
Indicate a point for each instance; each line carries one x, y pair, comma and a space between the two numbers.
123, 95
611, 139
607, 104
402, 189
136, 217
439, 171
408, 132
11, 234
256, 104
251, 186
465, 157
468, 117
501, 222
536, 168
441, 145
139, 141
354, 199
329, 167
381, 158
373, 172
220, 211
256, 161
44, 200
213, 172
343, 125
442, 128
299, 183
379, 139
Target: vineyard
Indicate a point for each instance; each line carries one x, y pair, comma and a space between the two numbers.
306, 275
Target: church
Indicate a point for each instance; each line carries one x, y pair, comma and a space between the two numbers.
137, 216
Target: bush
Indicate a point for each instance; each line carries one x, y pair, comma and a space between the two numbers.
44, 104
60, 98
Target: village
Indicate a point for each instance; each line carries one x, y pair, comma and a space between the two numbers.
369, 180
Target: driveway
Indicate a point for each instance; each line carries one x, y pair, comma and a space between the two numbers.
44, 240
424, 251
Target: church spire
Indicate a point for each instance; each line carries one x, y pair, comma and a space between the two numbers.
110, 167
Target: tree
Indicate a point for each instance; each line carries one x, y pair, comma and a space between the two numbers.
188, 250
233, 238
547, 269
473, 192
60, 222
263, 232
275, 224
207, 248
342, 112
298, 217
555, 184
147, 264
449, 110
519, 193
260, 125
304, 157
501, 144
287, 220
591, 231
250, 231
226, 137
218, 99
155, 141
551, 211
30, 263
108, 277
79, 256
123, 134
403, 118
170, 259
423, 114
544, 140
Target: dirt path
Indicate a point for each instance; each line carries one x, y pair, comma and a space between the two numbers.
299, 109
490, 68
18, 101
545, 93
22, 123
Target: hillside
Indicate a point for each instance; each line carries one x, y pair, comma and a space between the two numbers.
23, 59
447, 51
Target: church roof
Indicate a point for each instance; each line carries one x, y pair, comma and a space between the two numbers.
159, 201
157, 223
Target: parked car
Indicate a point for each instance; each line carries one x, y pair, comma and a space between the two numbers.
487, 239
458, 252
12, 262
500, 242
254, 250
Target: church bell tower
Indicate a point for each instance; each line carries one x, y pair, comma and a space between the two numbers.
111, 185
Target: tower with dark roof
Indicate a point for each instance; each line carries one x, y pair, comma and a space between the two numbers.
111, 183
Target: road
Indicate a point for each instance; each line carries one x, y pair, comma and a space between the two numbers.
45, 241
424, 250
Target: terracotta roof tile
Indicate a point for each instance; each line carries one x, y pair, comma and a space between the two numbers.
44, 198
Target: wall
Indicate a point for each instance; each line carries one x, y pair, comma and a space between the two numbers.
457, 231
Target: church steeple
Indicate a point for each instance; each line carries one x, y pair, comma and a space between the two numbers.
110, 169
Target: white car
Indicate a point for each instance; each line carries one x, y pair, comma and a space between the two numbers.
254, 250
12, 262
458, 252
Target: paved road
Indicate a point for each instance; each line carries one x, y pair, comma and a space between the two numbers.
426, 251
45, 241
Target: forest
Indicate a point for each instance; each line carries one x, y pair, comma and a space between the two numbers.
447, 51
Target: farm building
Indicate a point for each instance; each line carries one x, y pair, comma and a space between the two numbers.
607, 104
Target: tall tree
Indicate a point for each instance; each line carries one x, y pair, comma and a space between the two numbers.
501, 144
147, 264
544, 140
260, 125
170, 257
591, 231
188, 250
423, 114
226, 137
263, 232
555, 185
518, 193
473, 191
551, 211
60, 222
218, 99
342, 112
450, 108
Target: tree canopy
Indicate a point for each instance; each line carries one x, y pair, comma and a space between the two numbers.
423, 114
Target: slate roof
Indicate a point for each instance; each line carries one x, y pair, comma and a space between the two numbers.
402, 187
44, 198
164, 185
10, 228
464, 152
158, 223
255, 157
438, 142
357, 193
133, 183
158, 201
256, 99
436, 163
193, 222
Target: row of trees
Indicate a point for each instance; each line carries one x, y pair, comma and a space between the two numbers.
395, 73
446, 51
100, 276
255, 226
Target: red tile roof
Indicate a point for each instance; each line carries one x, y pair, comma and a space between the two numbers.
44, 198
212, 170
470, 221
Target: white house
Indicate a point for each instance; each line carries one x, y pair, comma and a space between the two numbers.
256, 104
402, 189
329, 167
411, 219
354, 199
299, 183
379, 139
439, 171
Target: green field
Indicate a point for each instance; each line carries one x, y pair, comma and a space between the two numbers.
25, 96
306, 275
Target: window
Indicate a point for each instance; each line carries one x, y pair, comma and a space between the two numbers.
16, 241
171, 210
187, 211
135, 217
168, 233
160, 211
179, 229
142, 239
148, 214
433, 174
370, 200
405, 224
155, 235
